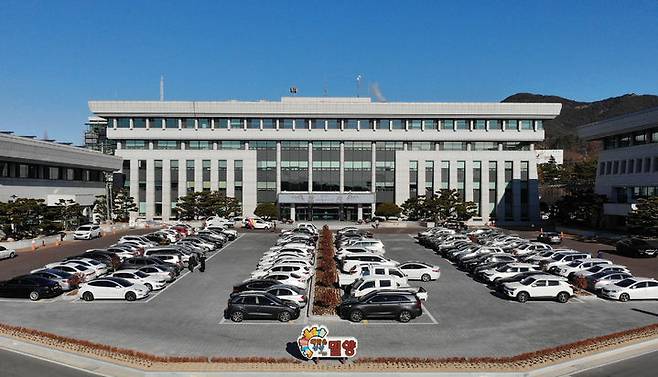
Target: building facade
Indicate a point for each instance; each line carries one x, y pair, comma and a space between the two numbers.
329, 158
628, 163
40, 169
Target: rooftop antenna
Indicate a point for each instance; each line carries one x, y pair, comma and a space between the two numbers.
359, 77
161, 87
293, 90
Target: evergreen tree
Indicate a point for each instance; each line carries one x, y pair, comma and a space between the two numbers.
123, 204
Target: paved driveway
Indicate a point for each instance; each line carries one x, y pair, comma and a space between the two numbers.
470, 321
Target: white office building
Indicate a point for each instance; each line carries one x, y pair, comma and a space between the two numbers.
329, 158
628, 163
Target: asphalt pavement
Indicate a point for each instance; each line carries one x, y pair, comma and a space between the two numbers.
18, 365
640, 366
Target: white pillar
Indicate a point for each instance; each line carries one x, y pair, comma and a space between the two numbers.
166, 189
198, 175
341, 184
516, 190
310, 167
278, 166
134, 186
359, 212
373, 168
150, 189
292, 212
230, 177
214, 174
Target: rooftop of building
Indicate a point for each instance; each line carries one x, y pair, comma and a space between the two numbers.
637, 121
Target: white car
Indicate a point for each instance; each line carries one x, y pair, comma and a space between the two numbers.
7, 253
84, 272
87, 232
368, 284
375, 246
289, 293
216, 221
415, 270
508, 270
285, 260
385, 271
289, 279
138, 239
580, 265
342, 253
98, 267
159, 272
351, 261
531, 248
603, 281
275, 256
632, 289
539, 286
603, 268
112, 288
562, 259
302, 271
152, 282
292, 245
260, 224
121, 252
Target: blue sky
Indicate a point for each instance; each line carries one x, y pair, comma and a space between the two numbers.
56, 55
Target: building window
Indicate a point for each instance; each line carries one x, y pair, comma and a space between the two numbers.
461, 178
123, 122
189, 123
622, 168
615, 167
253, 124
647, 165
157, 180
493, 188
173, 178
189, 176
484, 146
540, 125
326, 166
265, 170
421, 146
413, 179
352, 124
357, 169
294, 165
429, 178
431, 124
135, 144
269, 124
452, 146
230, 145
638, 165
221, 123
141, 193
480, 124
526, 125
199, 145
238, 180
366, 124
511, 125
221, 176
398, 124
167, 144
204, 123
139, 123
525, 189
445, 175
301, 124
495, 124
318, 124
236, 124
447, 124
385, 169
383, 124
171, 123
516, 146
477, 185
415, 124
126, 174
333, 124
205, 175
286, 124
462, 124
155, 122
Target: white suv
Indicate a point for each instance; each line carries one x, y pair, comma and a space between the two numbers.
369, 284
580, 265
508, 270
559, 260
539, 286
87, 232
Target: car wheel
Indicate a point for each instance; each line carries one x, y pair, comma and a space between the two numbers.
88, 296
405, 316
562, 297
131, 296
522, 297
12, 255
34, 295
426, 277
284, 316
237, 316
624, 297
356, 316
149, 286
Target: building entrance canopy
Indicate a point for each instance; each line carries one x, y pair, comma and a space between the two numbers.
326, 198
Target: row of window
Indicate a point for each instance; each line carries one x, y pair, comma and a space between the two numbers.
328, 124
631, 139
10, 169
631, 166
327, 145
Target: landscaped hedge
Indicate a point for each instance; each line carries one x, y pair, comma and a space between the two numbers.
326, 296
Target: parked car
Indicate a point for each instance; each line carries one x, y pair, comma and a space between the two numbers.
562, 259
637, 247
152, 282
578, 265
289, 278
65, 280
7, 253
415, 270
159, 272
84, 272
255, 285
348, 262
401, 305
600, 280
29, 286
549, 237
539, 286
289, 293
112, 288
260, 305
508, 270
499, 284
634, 288
87, 232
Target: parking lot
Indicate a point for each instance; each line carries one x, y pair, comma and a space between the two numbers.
461, 317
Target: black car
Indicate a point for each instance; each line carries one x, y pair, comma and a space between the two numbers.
549, 237
29, 286
259, 305
401, 305
637, 247
138, 262
255, 285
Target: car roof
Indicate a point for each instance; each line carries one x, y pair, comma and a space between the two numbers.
416, 261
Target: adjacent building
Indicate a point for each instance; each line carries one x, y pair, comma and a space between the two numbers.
43, 169
628, 163
329, 158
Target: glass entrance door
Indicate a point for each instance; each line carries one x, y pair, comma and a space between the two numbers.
320, 212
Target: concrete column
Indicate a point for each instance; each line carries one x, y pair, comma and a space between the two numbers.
249, 196
373, 168
401, 178
230, 178
485, 209
452, 184
500, 190
150, 189
214, 174
533, 193
292, 212
468, 180
437, 175
310, 167
278, 166
134, 185
166, 189
198, 175
341, 183
359, 212
420, 178
516, 190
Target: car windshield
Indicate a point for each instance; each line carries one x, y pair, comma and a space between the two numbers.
528, 281
596, 268
84, 228
625, 283
123, 282
501, 268
141, 274
574, 264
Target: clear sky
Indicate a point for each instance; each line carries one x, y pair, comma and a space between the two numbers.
56, 55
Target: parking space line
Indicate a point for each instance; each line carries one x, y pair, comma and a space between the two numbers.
426, 311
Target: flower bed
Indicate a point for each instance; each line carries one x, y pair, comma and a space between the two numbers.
521, 362
326, 296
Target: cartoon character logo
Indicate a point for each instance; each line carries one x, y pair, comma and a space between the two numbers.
313, 341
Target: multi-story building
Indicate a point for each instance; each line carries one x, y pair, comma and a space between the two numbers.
628, 163
41, 169
329, 158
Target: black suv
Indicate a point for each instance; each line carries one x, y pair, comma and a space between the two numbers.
30, 286
401, 305
637, 247
255, 285
259, 305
